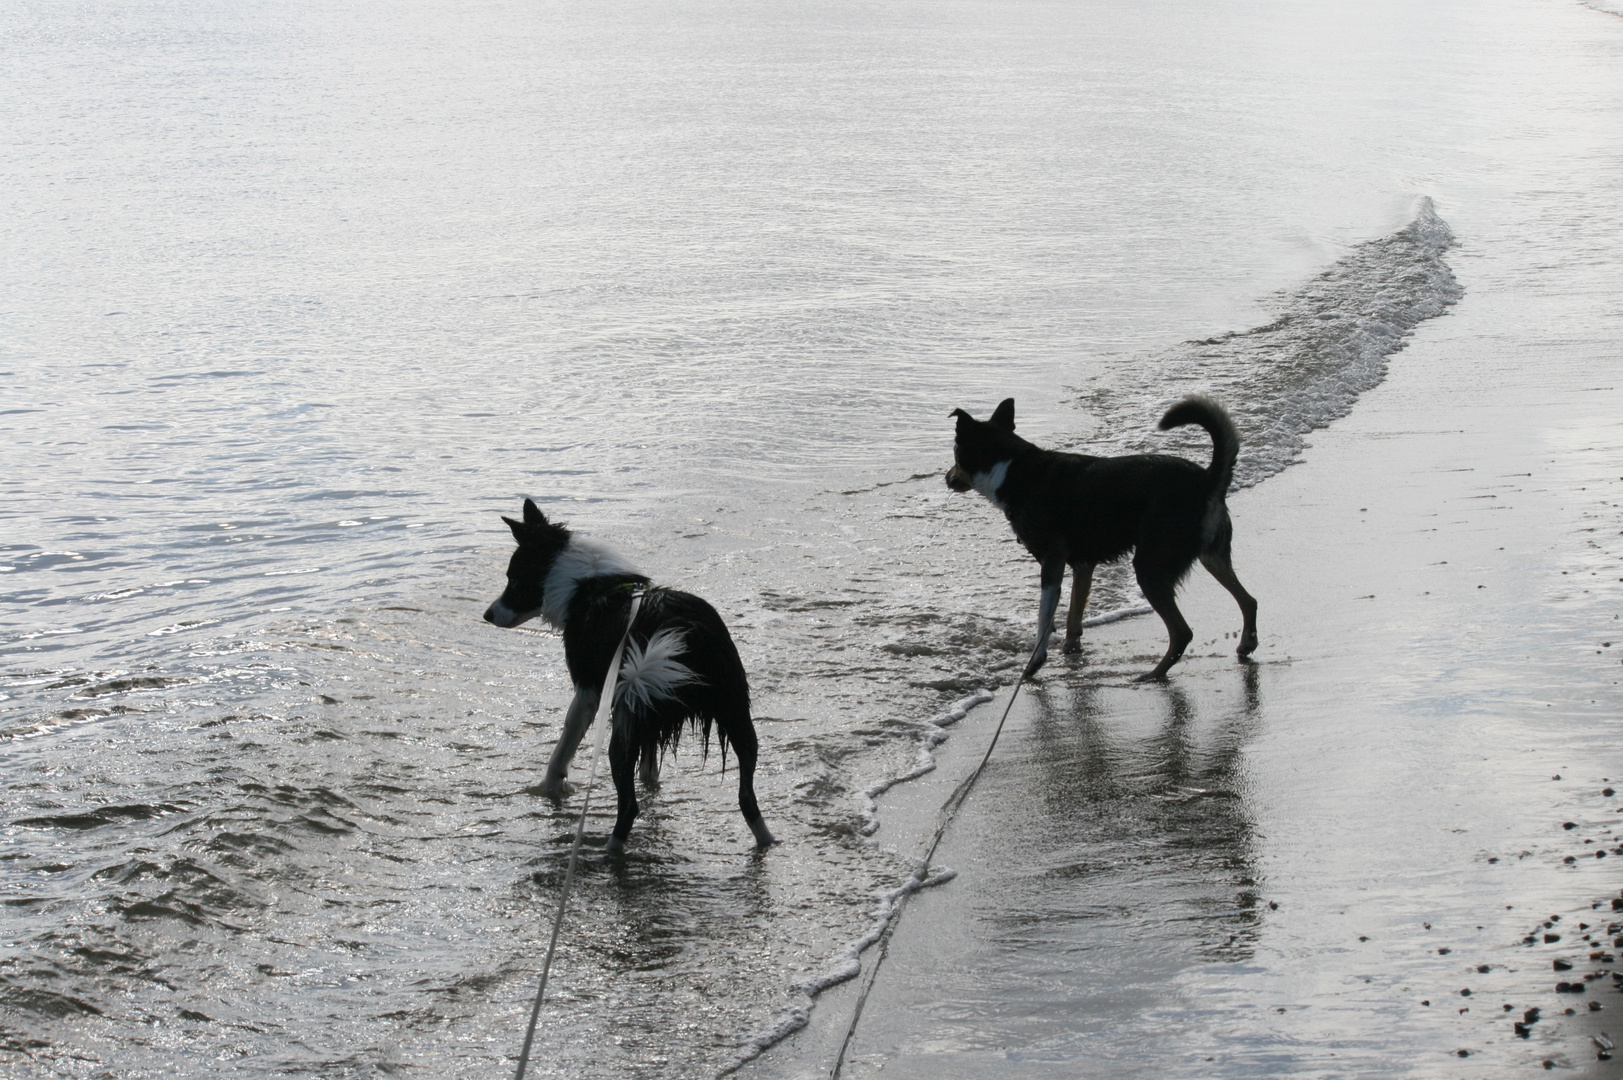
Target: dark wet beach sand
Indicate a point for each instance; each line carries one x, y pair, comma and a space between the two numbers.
1369, 854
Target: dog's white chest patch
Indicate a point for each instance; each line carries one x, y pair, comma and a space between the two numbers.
989, 482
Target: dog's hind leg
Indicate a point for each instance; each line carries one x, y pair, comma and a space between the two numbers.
1160, 589
648, 766
1081, 585
1217, 562
741, 733
576, 721
1053, 578
623, 766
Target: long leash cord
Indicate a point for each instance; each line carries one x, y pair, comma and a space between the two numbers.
580, 836
948, 811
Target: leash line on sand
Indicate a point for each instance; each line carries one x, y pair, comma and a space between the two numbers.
949, 810
580, 835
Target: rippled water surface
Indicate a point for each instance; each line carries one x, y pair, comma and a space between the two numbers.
298, 297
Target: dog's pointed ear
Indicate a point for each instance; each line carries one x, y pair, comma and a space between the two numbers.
962, 417
533, 514
1003, 417
517, 527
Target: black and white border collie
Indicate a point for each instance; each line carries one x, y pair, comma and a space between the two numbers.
1079, 511
679, 666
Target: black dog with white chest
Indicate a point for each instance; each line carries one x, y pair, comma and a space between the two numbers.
679, 667
1079, 511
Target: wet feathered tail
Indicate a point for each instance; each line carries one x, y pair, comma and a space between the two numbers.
1225, 438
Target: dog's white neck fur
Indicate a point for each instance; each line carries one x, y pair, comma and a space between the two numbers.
582, 559
988, 482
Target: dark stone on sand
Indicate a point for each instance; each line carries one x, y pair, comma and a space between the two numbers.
1595, 1006
1569, 824
1523, 1031
1562, 965
1608, 792
1466, 992
1569, 988
1482, 969
1570, 859
1463, 1053
1530, 1016
1550, 939
1617, 903
1444, 952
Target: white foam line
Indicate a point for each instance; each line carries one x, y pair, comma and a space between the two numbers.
1118, 615
846, 964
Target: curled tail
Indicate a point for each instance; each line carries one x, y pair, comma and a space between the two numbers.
1225, 438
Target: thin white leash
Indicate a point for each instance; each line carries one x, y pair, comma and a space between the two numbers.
949, 810
580, 832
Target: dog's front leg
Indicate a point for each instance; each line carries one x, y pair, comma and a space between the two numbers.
1053, 577
576, 721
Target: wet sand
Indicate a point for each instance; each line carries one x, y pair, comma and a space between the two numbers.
1372, 852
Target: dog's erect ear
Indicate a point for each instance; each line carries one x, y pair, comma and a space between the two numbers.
533, 514
1003, 417
516, 526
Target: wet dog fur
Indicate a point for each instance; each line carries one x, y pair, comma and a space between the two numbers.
680, 666
1079, 511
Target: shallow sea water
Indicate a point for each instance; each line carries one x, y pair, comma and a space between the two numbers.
299, 298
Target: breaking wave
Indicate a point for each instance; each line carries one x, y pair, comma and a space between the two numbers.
1330, 343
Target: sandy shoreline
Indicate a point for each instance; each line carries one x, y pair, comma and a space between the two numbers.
1439, 696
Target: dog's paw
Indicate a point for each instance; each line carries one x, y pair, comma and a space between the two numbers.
1248, 645
615, 846
550, 788
1037, 662
1072, 646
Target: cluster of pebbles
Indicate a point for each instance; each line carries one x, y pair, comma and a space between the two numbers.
1590, 949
